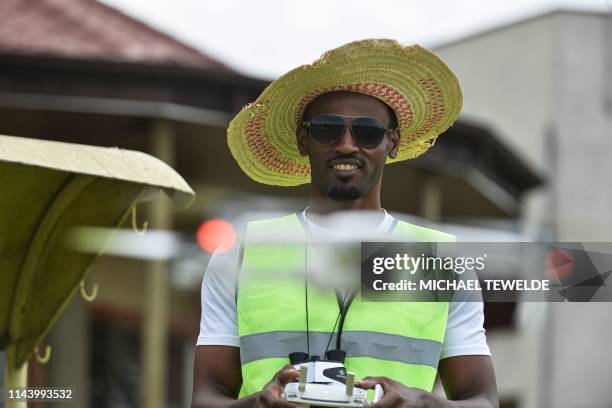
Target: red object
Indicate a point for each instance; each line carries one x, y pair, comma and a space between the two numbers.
558, 263
216, 235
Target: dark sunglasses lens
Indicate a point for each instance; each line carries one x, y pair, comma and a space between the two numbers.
326, 129
368, 132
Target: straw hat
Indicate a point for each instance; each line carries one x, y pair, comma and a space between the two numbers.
414, 82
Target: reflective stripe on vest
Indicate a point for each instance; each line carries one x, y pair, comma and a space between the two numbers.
356, 343
400, 340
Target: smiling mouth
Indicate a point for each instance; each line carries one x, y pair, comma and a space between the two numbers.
345, 167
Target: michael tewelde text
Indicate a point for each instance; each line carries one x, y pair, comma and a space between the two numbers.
466, 284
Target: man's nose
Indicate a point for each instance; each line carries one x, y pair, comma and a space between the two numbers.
346, 143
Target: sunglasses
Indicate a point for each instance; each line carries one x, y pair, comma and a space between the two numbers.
328, 129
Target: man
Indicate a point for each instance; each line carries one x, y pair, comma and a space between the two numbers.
336, 123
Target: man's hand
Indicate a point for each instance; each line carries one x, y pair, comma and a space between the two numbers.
398, 395
469, 381
271, 396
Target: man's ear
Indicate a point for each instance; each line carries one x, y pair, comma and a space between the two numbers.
302, 140
394, 142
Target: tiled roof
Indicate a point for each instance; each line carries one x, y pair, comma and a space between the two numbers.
87, 29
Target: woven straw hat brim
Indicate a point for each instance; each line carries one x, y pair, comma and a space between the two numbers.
414, 82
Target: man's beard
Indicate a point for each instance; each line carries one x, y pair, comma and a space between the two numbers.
344, 193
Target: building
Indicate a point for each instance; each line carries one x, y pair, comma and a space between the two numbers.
544, 86
82, 72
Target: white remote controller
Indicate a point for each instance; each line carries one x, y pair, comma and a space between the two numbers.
319, 385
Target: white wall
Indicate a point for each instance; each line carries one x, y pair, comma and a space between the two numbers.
542, 80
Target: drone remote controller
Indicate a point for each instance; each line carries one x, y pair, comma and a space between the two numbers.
326, 383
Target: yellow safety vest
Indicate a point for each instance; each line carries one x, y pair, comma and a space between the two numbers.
400, 340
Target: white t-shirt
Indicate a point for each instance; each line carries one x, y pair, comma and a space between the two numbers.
465, 334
